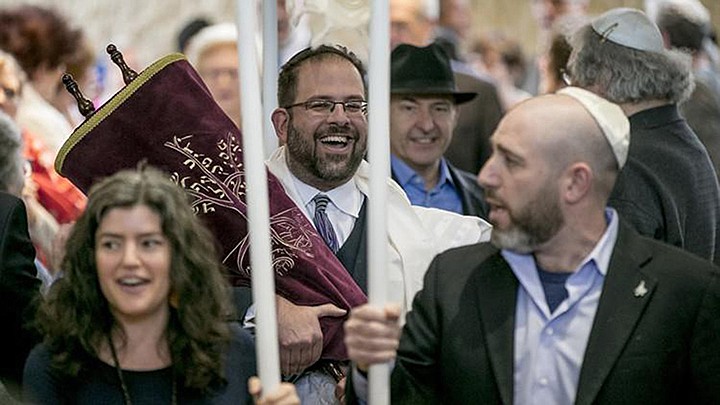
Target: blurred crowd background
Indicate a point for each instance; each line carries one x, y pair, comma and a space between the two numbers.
150, 27
505, 51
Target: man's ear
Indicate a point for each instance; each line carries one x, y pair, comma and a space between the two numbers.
281, 121
455, 118
579, 178
666, 39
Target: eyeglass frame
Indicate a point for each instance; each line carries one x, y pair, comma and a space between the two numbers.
565, 76
362, 111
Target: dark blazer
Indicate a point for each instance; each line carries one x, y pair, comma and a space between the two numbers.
668, 189
19, 288
471, 194
659, 348
702, 112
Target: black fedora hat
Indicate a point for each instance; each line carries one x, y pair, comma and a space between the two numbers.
424, 70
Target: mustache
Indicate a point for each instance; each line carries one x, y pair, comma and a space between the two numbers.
337, 130
491, 194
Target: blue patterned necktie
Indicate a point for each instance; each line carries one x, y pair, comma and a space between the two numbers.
322, 222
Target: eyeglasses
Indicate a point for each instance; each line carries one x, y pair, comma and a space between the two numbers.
326, 107
566, 77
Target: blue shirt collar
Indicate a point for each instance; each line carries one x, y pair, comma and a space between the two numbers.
405, 174
600, 254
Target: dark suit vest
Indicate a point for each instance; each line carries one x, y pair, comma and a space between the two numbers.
353, 253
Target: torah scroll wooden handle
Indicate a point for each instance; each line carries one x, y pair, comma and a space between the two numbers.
128, 74
85, 106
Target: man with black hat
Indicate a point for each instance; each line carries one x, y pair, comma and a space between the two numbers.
413, 22
423, 115
668, 190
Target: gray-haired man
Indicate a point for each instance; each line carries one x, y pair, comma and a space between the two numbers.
668, 190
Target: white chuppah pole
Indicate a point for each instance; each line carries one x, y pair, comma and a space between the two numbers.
270, 73
379, 157
263, 282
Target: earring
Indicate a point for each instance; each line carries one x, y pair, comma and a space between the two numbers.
174, 299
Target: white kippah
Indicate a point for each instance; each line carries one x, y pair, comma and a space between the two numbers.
629, 27
224, 33
610, 118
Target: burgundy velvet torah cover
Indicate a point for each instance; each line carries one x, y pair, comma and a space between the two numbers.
168, 118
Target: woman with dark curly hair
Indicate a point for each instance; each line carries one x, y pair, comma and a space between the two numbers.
140, 315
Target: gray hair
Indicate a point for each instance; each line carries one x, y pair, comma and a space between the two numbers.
625, 75
12, 177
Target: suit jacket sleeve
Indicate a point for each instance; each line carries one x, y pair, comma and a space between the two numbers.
18, 288
414, 378
705, 356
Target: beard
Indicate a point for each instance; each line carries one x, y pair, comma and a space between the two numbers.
532, 225
323, 168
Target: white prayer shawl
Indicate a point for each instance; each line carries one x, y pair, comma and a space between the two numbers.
415, 234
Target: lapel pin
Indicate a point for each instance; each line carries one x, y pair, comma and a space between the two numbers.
640, 290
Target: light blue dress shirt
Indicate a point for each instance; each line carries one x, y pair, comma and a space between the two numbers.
549, 348
445, 195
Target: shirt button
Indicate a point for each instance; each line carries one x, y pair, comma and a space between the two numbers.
543, 381
550, 331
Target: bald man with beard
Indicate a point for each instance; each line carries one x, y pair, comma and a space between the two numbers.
567, 303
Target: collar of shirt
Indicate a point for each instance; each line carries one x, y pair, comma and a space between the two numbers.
346, 198
406, 175
525, 269
600, 254
343, 211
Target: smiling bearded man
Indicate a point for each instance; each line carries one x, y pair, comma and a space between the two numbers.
322, 124
330, 167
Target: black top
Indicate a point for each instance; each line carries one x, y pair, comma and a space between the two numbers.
99, 384
554, 287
